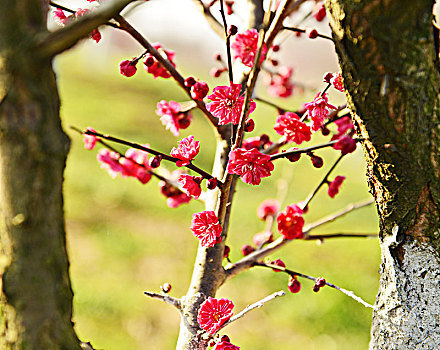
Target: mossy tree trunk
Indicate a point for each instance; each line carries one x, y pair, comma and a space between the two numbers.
35, 296
389, 64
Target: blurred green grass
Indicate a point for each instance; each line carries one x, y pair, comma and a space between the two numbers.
122, 238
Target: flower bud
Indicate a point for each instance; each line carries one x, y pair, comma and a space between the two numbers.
155, 162
294, 285
312, 33
249, 126
166, 287
247, 249
212, 183
317, 162
233, 30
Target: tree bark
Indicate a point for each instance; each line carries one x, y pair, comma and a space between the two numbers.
388, 61
35, 296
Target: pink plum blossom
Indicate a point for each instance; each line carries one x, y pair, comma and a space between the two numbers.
245, 47
186, 151
319, 110
227, 104
335, 185
290, 126
213, 313
250, 165
206, 228
290, 222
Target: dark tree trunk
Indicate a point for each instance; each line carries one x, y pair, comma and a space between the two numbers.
35, 296
387, 55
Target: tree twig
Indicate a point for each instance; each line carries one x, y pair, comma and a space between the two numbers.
248, 261
212, 21
348, 293
228, 42
340, 235
251, 307
298, 30
165, 298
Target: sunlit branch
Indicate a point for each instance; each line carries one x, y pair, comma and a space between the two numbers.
340, 235
248, 261
251, 307
212, 21
299, 274
165, 298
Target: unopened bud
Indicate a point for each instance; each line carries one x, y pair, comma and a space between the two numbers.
226, 251
233, 30
149, 61
312, 33
320, 282
249, 126
190, 81
212, 183
247, 249
317, 162
276, 48
166, 287
316, 288
155, 162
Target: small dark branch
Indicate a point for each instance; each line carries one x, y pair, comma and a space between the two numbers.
64, 38
340, 235
166, 298
152, 151
61, 7
212, 21
302, 150
323, 181
105, 144
299, 274
127, 27
251, 307
337, 215
86, 346
228, 42
294, 29
326, 89
273, 104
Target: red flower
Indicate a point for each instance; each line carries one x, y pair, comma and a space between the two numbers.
206, 228
267, 207
336, 81
246, 249
178, 200
186, 151
213, 313
250, 165
289, 125
127, 68
245, 47
199, 90
319, 110
319, 11
172, 116
227, 104
60, 17
262, 238
110, 161
90, 140
344, 126
280, 84
294, 285
225, 345
335, 185
291, 222
94, 34
153, 66
135, 164
279, 263
346, 144
191, 184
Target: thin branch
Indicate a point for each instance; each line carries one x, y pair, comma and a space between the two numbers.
295, 273
338, 214
212, 21
165, 298
228, 42
64, 38
105, 144
127, 27
298, 30
273, 104
251, 307
340, 235
164, 156
323, 181
302, 150
248, 261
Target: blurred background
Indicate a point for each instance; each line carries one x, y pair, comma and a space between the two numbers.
123, 239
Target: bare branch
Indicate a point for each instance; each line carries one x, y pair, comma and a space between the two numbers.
340, 235
64, 38
253, 306
338, 214
166, 299
212, 21
248, 261
348, 293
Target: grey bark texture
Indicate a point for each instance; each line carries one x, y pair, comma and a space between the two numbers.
388, 60
35, 294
